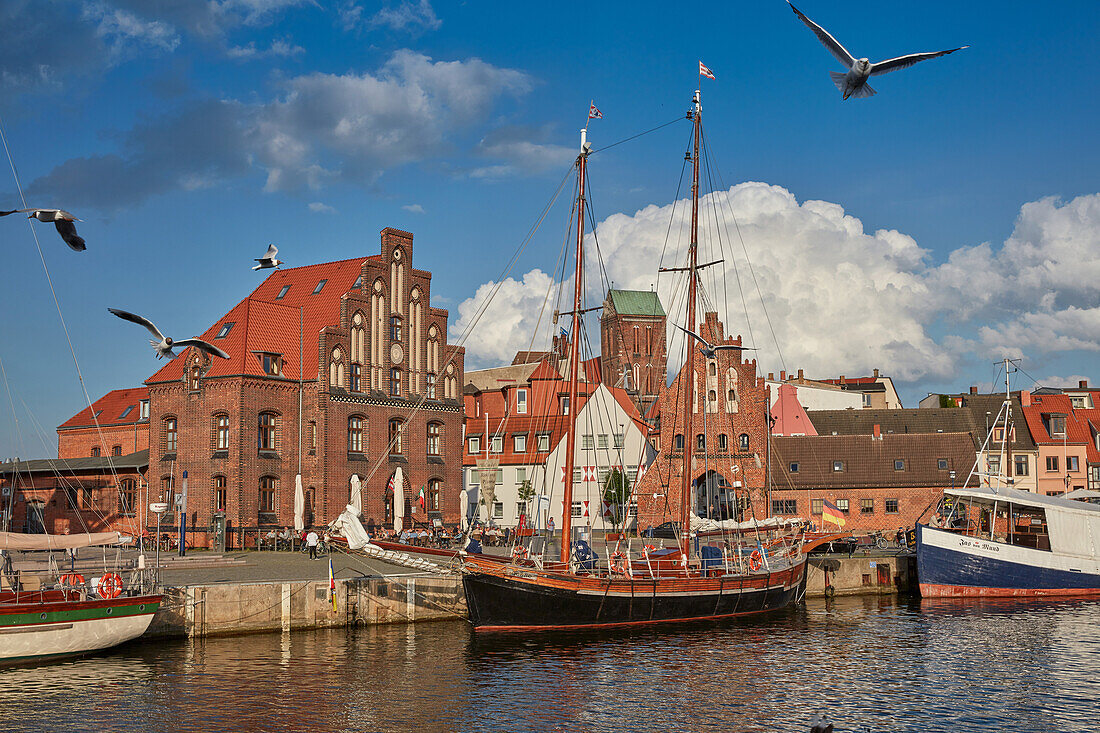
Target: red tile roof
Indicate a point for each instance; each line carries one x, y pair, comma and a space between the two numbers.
110, 408
263, 322
1077, 429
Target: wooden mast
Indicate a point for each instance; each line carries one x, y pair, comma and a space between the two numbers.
574, 342
687, 373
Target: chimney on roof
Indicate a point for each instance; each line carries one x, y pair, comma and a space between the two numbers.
783, 377
771, 376
876, 373
1025, 398
1083, 384
842, 379
800, 374
973, 389
877, 432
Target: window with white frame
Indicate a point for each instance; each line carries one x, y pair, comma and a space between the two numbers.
498, 510
619, 439
519, 443
576, 510
497, 444
543, 442
521, 474
474, 442
521, 401
586, 442
601, 441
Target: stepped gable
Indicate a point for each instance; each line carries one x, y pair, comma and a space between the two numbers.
111, 407
266, 322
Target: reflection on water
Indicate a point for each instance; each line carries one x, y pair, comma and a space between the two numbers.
871, 663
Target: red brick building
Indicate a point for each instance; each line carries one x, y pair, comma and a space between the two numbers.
632, 336
335, 369
120, 426
878, 480
727, 439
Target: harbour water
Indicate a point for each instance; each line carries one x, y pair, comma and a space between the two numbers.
871, 663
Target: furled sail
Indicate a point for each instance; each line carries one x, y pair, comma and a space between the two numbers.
19, 541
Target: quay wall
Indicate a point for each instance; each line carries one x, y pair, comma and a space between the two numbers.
861, 575
242, 608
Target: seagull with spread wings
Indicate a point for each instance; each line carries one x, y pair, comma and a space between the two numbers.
854, 83
268, 261
61, 219
164, 345
709, 349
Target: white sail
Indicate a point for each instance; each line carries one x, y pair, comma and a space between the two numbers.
348, 526
18, 541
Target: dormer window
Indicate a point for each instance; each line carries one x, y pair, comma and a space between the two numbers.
272, 364
283, 291
225, 329
358, 281
1057, 426
319, 286
144, 413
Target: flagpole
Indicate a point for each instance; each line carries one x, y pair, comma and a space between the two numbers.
591, 102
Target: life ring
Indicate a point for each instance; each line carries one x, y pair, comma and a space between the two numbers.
519, 552
110, 586
830, 591
756, 560
74, 580
619, 563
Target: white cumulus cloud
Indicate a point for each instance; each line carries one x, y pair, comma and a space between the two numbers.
842, 300
320, 208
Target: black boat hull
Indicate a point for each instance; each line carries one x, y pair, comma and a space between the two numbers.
497, 602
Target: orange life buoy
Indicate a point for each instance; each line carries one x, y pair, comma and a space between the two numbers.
519, 552
619, 563
110, 586
755, 560
72, 579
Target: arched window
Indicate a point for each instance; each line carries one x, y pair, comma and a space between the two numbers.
196, 375
711, 395
395, 328
731, 396
712, 369
221, 432
678, 442
95, 451
723, 443
355, 434
336, 368
219, 494
397, 437
435, 430
435, 488
701, 443
743, 442
268, 486
116, 450
170, 427
268, 436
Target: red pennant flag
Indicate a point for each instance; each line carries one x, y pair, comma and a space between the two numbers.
593, 113
704, 71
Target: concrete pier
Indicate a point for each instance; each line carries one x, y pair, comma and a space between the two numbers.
242, 608
861, 574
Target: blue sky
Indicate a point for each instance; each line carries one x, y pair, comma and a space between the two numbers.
925, 231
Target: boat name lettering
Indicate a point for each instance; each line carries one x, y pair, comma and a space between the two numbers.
979, 544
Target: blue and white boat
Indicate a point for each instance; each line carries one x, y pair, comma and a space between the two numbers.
1006, 542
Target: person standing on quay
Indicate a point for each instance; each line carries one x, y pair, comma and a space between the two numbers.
311, 543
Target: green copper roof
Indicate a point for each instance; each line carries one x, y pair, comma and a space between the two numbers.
636, 302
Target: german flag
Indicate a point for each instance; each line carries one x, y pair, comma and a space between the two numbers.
830, 513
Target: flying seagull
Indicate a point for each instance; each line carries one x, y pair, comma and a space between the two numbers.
854, 83
63, 220
268, 261
164, 345
708, 348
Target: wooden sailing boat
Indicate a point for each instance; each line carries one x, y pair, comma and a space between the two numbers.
581, 591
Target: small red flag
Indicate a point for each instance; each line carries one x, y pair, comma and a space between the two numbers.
704, 71
593, 113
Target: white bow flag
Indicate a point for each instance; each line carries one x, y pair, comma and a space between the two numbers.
704, 71
593, 113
